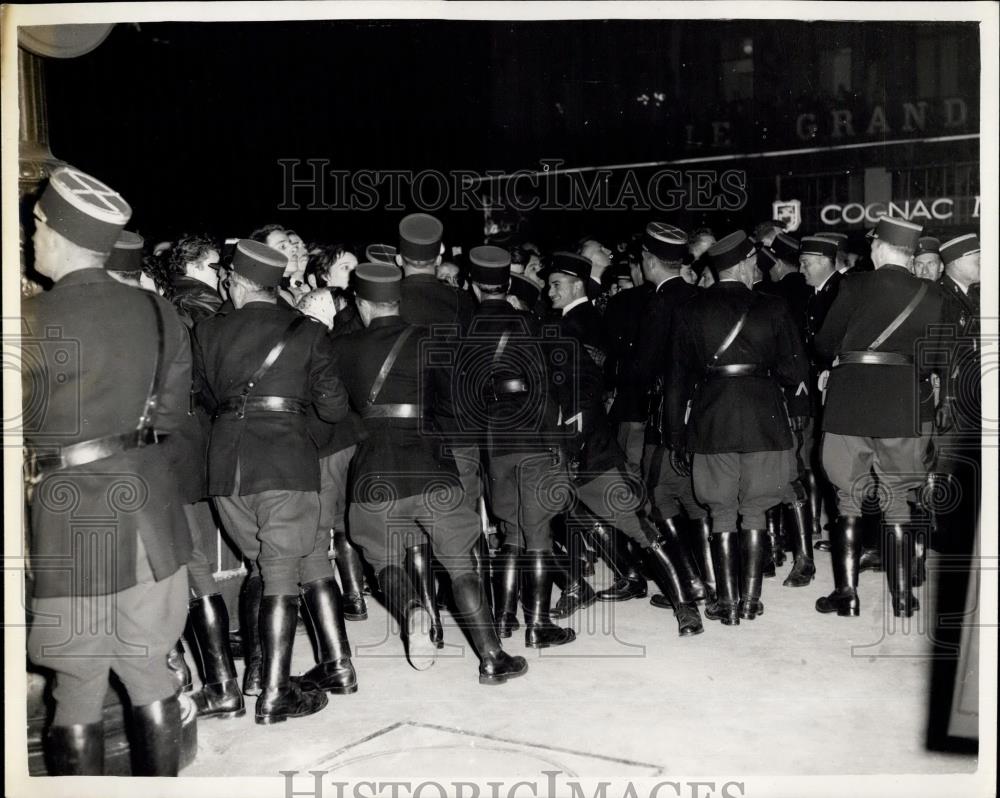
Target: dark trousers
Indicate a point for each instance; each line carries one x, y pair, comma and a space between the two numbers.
526, 492
740, 486
333, 490
670, 491
203, 529
617, 497
130, 632
279, 530
385, 530
852, 462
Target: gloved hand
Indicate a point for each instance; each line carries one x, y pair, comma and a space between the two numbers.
680, 461
798, 423
944, 418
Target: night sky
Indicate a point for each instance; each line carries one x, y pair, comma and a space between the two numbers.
189, 120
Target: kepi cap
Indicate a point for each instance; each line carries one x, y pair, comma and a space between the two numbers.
766, 258
83, 210
819, 245
927, 245
665, 241
785, 248
377, 282
420, 236
126, 256
489, 265
381, 253
959, 247
524, 289
730, 250
259, 262
839, 238
569, 263
897, 232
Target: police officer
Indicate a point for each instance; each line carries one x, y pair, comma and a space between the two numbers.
597, 463
733, 351
676, 513
427, 301
405, 485
96, 431
505, 392
871, 418
258, 369
927, 264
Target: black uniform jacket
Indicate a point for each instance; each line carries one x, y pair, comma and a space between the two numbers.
578, 380
89, 346
652, 355
794, 289
401, 456
194, 300
963, 323
817, 307
735, 414
274, 450
879, 401
426, 301
505, 422
624, 335
332, 438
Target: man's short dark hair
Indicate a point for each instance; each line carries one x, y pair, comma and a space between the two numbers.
261, 233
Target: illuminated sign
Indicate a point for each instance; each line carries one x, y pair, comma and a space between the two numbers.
789, 212
939, 208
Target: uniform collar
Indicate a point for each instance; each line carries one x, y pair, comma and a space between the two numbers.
258, 304
662, 283
85, 277
573, 304
826, 282
422, 278
895, 267
385, 321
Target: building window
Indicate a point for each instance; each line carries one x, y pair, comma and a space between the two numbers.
736, 69
835, 71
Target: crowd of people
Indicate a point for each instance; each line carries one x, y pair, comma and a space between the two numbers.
688, 408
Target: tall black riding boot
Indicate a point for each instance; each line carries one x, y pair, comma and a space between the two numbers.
672, 532
804, 569
612, 545
872, 542
815, 488
253, 658
668, 578
415, 622
699, 530
208, 634
536, 596
76, 750
899, 548
753, 550
482, 563
156, 738
281, 697
496, 666
846, 542
419, 561
577, 593
324, 617
505, 589
179, 668
775, 555
726, 559
352, 578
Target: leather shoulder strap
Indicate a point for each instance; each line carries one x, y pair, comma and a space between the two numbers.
733, 333
274, 354
501, 346
898, 321
153, 394
387, 365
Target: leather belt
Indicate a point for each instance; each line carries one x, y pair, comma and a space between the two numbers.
739, 370
241, 405
86, 452
391, 411
509, 388
872, 359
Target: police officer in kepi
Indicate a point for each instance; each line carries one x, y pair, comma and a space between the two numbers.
871, 418
607, 494
96, 431
818, 264
258, 369
426, 301
733, 351
406, 487
505, 396
676, 513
